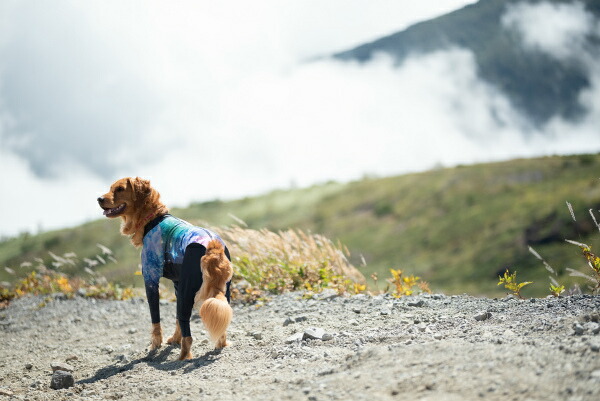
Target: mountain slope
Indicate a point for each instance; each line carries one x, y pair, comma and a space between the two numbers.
458, 228
540, 85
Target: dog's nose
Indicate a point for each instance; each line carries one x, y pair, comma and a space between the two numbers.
100, 199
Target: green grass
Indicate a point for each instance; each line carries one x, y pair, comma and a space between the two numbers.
456, 228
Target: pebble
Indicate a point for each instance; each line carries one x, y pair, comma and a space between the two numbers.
592, 327
28, 366
132, 330
417, 304
61, 379
578, 328
257, 335
297, 337
482, 316
314, 333
61, 366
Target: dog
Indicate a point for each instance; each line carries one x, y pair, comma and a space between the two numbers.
171, 248
214, 309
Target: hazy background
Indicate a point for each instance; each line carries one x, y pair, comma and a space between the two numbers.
227, 99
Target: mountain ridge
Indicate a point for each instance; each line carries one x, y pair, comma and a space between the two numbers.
534, 81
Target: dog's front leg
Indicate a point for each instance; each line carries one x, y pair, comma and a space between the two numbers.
156, 340
186, 347
176, 338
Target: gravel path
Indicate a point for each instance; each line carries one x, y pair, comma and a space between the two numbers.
428, 347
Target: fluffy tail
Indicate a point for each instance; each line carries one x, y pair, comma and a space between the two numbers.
216, 315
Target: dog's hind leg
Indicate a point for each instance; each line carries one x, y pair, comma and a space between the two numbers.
222, 342
176, 337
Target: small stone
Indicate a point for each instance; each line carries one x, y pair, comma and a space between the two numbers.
28, 366
257, 335
300, 319
314, 333
356, 310
61, 366
437, 336
417, 304
578, 328
288, 321
61, 379
593, 327
294, 338
132, 330
482, 316
327, 337
385, 311
595, 347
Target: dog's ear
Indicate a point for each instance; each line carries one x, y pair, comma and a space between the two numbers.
141, 188
132, 186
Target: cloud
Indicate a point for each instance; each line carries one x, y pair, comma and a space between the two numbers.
561, 30
185, 92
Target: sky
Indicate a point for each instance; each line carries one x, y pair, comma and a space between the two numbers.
225, 99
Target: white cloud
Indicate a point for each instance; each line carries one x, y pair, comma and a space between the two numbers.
557, 29
184, 92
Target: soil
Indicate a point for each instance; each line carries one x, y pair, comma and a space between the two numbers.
426, 347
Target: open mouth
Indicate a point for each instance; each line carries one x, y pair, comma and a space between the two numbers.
114, 211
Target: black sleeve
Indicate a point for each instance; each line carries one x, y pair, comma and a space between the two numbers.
153, 302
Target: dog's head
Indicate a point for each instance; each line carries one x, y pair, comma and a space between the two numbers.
123, 197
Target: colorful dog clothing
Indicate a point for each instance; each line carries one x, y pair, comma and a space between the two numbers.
172, 248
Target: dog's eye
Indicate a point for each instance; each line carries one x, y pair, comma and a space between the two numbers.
120, 189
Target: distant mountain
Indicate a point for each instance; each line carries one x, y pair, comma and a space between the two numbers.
539, 85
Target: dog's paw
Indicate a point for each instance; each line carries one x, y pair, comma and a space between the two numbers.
155, 343
184, 356
175, 340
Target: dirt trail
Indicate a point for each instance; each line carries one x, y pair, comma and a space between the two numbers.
429, 347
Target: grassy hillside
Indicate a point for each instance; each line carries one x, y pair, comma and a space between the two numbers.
457, 228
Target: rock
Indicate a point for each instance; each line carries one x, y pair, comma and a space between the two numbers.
416, 304
482, 316
257, 335
28, 366
313, 333
356, 309
592, 327
288, 321
61, 379
300, 319
61, 366
437, 336
132, 330
578, 328
326, 294
294, 338
327, 337
7, 392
